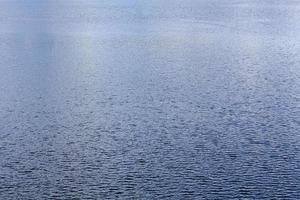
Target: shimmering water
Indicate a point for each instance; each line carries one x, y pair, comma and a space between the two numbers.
156, 99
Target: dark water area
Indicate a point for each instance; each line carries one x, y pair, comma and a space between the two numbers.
123, 99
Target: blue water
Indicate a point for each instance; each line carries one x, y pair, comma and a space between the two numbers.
119, 99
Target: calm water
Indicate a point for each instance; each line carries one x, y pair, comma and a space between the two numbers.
172, 99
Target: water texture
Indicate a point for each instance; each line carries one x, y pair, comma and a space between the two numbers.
173, 99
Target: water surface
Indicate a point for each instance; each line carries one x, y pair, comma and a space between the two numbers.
181, 99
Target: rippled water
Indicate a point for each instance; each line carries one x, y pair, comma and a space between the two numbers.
121, 99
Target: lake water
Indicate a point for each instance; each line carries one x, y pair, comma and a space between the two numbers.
149, 99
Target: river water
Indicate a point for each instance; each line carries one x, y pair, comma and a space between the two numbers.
172, 99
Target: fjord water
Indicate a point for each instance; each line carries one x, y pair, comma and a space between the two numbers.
121, 99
